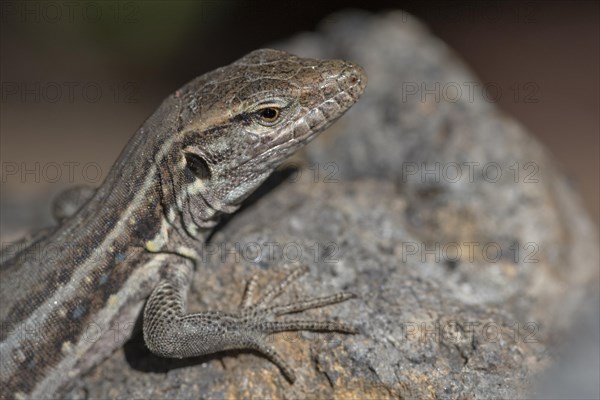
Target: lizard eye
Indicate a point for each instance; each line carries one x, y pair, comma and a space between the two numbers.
268, 115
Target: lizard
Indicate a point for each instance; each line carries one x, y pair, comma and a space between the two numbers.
132, 246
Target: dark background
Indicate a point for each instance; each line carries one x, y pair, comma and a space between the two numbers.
543, 55
122, 58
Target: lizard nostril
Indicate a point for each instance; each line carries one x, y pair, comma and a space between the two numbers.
354, 77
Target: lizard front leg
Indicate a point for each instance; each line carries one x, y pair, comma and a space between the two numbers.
169, 332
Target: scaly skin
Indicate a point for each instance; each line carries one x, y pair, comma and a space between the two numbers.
203, 151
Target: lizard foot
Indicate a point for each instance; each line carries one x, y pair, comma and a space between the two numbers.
257, 316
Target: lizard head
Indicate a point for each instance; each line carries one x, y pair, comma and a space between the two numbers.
239, 122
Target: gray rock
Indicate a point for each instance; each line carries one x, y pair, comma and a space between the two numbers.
468, 275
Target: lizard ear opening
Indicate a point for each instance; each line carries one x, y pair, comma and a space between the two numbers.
197, 166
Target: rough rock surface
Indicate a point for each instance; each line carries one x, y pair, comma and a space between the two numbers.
467, 247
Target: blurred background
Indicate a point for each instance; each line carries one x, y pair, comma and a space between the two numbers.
78, 78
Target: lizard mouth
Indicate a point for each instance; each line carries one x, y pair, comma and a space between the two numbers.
351, 82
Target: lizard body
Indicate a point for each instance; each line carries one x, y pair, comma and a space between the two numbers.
68, 299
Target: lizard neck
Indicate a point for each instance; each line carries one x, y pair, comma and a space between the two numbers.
96, 250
